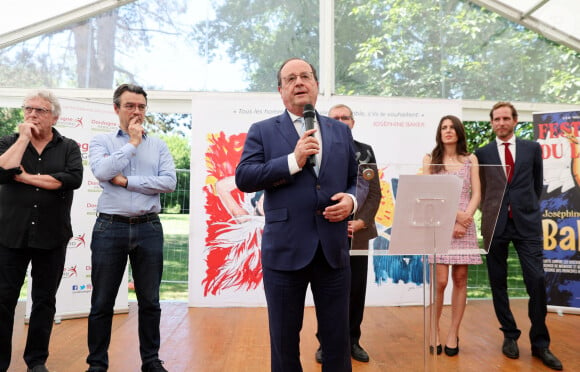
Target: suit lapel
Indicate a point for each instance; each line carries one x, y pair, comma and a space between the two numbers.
519, 145
327, 139
492, 154
287, 129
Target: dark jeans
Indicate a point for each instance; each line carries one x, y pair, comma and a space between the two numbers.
47, 269
112, 242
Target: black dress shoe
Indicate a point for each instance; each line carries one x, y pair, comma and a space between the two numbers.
318, 355
358, 353
452, 351
154, 366
547, 357
38, 368
510, 348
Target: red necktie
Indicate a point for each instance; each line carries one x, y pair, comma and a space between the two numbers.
509, 162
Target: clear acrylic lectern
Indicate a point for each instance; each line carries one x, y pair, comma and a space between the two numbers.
415, 218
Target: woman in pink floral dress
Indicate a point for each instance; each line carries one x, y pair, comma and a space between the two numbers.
450, 156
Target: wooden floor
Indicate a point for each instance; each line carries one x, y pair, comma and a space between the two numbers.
236, 339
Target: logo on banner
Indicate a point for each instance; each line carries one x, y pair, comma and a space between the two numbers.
103, 125
70, 122
84, 152
82, 288
91, 209
93, 186
77, 241
69, 272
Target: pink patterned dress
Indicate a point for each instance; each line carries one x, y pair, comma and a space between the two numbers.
469, 241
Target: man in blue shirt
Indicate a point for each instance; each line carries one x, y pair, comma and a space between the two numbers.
133, 169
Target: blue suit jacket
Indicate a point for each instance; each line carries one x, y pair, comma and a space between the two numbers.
522, 194
293, 204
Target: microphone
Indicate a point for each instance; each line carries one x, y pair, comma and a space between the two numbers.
308, 115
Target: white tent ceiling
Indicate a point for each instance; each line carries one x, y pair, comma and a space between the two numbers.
20, 20
24, 19
556, 20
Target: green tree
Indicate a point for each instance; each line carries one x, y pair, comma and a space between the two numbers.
178, 201
180, 150
261, 34
179, 124
9, 120
454, 49
87, 53
436, 49
479, 133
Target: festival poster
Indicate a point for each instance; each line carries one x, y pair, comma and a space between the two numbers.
226, 224
559, 137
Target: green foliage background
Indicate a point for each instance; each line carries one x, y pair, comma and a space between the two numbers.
9, 120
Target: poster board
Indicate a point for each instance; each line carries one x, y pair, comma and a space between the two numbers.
558, 135
225, 254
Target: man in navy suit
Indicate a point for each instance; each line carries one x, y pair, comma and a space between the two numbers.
306, 210
519, 222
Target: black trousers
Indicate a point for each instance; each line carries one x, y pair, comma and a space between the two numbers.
531, 260
358, 289
47, 269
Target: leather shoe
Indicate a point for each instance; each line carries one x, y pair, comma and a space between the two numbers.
510, 348
358, 353
38, 368
318, 355
154, 366
547, 357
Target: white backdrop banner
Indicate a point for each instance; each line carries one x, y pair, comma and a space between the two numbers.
80, 120
225, 234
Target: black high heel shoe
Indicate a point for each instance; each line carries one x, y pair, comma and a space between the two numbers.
439, 349
452, 351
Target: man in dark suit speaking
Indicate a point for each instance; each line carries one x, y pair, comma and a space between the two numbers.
519, 221
306, 205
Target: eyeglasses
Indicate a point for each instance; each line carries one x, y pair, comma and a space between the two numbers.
342, 118
39, 110
132, 107
306, 77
